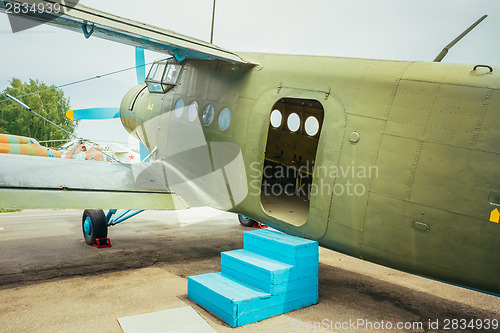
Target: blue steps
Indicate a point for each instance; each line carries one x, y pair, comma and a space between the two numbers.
273, 274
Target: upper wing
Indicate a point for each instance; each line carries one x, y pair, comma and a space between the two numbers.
122, 30
41, 182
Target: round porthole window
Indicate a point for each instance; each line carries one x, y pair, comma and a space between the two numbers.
293, 122
224, 119
208, 114
312, 126
193, 111
179, 107
276, 118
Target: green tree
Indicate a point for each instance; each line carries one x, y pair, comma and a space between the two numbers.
50, 103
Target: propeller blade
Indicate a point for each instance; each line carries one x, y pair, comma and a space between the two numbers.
140, 63
109, 113
94, 113
144, 152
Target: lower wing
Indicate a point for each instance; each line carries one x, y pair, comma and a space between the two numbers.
38, 182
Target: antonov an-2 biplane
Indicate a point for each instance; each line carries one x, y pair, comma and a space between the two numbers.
395, 162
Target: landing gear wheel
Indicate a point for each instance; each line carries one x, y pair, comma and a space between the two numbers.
94, 225
246, 221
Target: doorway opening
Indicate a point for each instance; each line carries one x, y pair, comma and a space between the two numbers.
292, 142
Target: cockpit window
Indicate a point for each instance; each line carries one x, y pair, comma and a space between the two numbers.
163, 76
156, 72
33, 141
172, 74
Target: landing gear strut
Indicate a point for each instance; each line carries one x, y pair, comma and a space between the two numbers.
249, 223
246, 221
95, 225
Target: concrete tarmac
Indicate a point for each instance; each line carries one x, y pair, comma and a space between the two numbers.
51, 281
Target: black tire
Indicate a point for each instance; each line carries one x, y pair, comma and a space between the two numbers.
95, 227
246, 221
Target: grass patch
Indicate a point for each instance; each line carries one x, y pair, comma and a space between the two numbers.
10, 210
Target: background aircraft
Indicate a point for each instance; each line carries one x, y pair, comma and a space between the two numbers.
14, 144
75, 149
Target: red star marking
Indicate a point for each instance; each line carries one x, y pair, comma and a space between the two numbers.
131, 157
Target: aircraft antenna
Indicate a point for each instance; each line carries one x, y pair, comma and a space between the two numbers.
444, 52
213, 23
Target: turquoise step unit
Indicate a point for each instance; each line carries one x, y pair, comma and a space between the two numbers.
273, 274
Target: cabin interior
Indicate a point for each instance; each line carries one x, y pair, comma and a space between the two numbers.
292, 142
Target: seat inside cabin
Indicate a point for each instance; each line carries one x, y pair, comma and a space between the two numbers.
294, 130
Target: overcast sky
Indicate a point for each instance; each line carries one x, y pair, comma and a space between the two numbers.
380, 29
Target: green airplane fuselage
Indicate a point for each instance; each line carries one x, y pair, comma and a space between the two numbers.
414, 147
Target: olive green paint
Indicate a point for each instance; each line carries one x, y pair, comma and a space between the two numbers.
430, 129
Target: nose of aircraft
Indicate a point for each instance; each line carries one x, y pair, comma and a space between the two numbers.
128, 107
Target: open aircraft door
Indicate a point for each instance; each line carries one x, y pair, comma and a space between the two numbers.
299, 135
